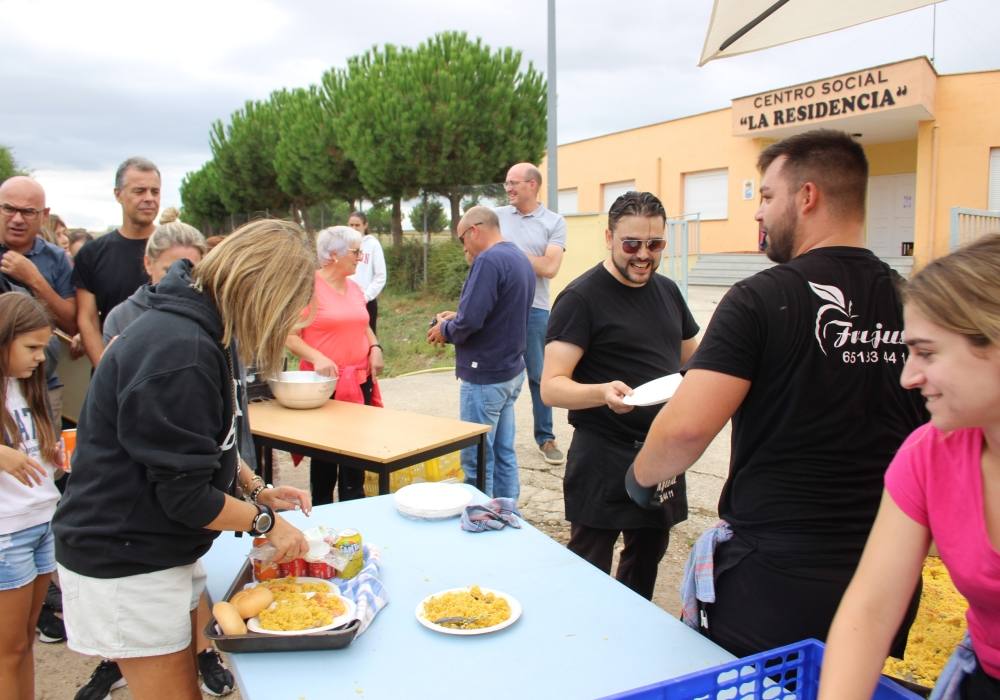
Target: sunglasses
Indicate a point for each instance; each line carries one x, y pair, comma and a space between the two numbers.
654, 245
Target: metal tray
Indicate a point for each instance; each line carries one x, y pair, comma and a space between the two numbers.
252, 641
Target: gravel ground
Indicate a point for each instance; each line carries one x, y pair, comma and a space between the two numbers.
59, 671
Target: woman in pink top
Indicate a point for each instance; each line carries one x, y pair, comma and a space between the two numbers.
338, 342
944, 484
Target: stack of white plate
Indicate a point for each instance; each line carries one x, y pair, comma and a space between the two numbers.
431, 501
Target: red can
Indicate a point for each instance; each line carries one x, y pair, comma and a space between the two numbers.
319, 569
295, 567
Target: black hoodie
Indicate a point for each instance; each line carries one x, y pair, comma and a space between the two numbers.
150, 471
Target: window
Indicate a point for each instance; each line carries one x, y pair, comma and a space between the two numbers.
994, 187
614, 190
707, 194
568, 201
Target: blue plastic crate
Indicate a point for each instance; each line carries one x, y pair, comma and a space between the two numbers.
786, 673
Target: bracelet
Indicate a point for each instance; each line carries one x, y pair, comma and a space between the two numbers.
251, 486
255, 494
375, 345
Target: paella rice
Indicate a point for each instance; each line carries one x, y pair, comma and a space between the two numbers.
488, 608
300, 606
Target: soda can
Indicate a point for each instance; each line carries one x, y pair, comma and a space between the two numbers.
349, 544
320, 569
295, 567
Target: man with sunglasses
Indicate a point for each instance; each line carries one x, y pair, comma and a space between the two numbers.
489, 333
805, 358
541, 235
614, 328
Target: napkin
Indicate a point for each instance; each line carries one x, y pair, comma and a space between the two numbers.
698, 583
492, 515
366, 589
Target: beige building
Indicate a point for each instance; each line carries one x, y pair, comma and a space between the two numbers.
933, 144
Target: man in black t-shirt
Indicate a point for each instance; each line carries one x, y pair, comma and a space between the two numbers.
107, 270
805, 358
614, 328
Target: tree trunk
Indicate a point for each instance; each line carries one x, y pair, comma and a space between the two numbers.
456, 212
397, 221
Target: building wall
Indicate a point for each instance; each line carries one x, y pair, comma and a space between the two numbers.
950, 156
954, 155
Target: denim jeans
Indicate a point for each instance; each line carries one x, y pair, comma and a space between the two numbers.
534, 354
493, 405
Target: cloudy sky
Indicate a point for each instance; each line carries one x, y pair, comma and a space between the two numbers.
85, 85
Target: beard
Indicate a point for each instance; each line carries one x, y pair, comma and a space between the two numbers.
780, 237
631, 275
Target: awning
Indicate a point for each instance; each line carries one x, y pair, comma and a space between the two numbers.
742, 26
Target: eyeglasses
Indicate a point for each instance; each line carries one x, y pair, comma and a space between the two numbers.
461, 236
631, 246
27, 213
354, 251
513, 183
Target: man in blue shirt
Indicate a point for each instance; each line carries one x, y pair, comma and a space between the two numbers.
34, 263
489, 332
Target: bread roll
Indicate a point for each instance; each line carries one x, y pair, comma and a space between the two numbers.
255, 600
228, 618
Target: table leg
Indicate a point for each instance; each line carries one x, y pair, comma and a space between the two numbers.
383, 483
481, 463
266, 461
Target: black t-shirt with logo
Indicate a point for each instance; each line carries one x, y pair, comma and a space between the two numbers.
632, 334
110, 267
820, 338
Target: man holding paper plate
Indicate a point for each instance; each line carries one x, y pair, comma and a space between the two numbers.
617, 336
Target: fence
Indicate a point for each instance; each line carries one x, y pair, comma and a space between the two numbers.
969, 224
683, 241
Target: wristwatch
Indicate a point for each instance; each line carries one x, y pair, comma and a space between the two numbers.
263, 522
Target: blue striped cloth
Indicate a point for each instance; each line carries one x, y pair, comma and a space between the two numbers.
366, 589
699, 572
492, 515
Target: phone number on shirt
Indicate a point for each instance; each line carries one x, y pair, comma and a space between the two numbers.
872, 356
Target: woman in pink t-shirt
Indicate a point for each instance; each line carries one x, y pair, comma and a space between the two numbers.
338, 342
944, 484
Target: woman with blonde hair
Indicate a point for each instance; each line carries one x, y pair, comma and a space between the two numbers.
156, 471
339, 342
943, 485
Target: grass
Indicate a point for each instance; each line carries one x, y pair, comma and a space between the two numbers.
402, 332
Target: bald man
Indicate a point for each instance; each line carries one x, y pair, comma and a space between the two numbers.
541, 235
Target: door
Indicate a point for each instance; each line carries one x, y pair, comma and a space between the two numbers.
890, 212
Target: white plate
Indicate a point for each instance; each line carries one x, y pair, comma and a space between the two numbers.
515, 612
654, 392
253, 624
432, 500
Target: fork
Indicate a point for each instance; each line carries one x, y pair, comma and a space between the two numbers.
455, 620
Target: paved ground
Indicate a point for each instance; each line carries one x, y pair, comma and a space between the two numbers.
59, 672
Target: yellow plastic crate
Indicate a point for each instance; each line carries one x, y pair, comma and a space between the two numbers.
447, 467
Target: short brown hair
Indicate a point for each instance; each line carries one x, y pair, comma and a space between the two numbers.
260, 279
960, 292
832, 160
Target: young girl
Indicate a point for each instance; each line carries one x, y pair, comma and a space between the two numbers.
944, 484
28, 494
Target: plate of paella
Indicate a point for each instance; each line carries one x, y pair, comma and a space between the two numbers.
302, 605
468, 611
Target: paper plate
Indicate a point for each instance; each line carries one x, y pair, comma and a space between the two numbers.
515, 613
654, 392
253, 624
432, 500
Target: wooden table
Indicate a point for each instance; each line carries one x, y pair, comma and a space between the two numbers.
380, 440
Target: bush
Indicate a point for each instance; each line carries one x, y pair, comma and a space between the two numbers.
446, 271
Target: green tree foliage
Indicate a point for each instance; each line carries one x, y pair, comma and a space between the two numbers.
369, 106
379, 218
203, 207
8, 166
331, 213
310, 165
436, 220
243, 152
482, 114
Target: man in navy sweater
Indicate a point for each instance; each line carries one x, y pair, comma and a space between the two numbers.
489, 332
